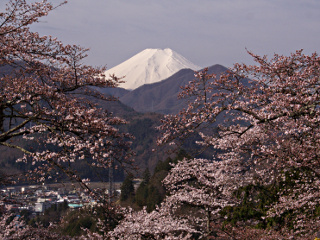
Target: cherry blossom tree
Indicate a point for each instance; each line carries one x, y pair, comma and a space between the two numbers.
270, 122
44, 98
206, 186
158, 224
45, 92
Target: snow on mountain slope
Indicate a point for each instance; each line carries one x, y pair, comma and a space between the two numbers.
150, 66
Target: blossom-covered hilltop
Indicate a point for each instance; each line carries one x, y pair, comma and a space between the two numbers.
150, 66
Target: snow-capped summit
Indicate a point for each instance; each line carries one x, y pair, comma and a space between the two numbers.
150, 66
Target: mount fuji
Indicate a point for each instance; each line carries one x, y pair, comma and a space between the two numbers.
150, 66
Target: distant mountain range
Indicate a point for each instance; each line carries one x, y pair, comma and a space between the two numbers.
150, 66
152, 100
145, 105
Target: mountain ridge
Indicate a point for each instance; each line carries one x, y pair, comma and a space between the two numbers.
162, 97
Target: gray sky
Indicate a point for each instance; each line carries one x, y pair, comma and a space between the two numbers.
206, 32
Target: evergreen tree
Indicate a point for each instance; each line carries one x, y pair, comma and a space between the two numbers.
146, 176
127, 188
142, 191
154, 198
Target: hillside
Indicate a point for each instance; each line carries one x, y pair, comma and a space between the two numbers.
142, 108
162, 96
141, 125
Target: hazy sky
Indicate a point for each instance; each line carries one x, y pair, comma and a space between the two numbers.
206, 32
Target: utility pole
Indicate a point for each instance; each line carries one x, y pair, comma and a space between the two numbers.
111, 181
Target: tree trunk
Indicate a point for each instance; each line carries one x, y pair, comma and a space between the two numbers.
208, 223
1, 119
